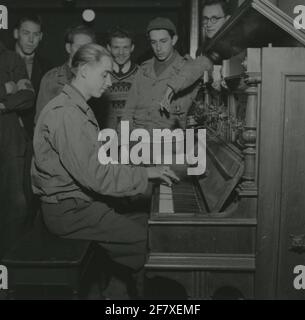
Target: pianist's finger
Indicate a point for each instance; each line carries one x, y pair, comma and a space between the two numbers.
167, 180
171, 174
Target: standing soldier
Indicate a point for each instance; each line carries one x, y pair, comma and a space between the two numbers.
16, 94
28, 35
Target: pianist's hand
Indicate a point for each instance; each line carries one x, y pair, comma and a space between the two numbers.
163, 174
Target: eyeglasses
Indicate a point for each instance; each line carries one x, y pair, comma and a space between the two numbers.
213, 20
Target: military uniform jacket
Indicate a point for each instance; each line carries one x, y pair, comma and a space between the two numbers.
142, 108
66, 148
51, 85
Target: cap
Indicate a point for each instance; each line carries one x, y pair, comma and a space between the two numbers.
161, 23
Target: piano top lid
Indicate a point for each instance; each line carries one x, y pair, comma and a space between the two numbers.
224, 168
256, 24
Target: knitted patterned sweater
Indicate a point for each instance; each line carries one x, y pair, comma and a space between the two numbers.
114, 99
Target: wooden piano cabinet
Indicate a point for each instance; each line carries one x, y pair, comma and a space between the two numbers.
265, 234
202, 237
202, 253
230, 285
223, 277
250, 235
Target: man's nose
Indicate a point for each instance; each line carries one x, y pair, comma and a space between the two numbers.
121, 51
31, 38
209, 23
158, 46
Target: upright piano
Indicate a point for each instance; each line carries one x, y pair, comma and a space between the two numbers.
238, 231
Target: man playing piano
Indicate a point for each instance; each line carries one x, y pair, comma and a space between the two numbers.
68, 177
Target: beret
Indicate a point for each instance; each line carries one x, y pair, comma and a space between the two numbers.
161, 23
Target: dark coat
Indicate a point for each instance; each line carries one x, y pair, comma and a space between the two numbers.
12, 148
40, 67
12, 68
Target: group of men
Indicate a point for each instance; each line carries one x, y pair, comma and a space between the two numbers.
136, 95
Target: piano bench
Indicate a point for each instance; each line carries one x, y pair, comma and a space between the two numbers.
44, 261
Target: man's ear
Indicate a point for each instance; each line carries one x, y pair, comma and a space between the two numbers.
132, 47
228, 17
41, 36
68, 48
108, 48
83, 70
175, 39
16, 35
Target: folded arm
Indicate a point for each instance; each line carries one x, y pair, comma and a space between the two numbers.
18, 93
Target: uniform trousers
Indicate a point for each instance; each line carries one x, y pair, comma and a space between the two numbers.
123, 236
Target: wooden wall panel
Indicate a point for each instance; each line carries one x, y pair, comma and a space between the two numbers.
293, 184
281, 99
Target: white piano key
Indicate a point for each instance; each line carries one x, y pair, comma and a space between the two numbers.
165, 189
166, 204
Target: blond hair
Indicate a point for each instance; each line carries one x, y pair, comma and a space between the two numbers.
89, 53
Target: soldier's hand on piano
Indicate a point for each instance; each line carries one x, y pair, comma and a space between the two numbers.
163, 174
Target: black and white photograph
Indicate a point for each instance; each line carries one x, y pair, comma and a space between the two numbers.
152, 150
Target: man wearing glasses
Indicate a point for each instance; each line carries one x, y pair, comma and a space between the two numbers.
214, 15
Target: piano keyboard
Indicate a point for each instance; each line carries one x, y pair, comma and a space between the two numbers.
181, 198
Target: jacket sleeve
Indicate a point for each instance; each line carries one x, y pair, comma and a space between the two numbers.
23, 99
192, 71
76, 142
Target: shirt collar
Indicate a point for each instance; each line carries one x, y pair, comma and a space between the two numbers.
122, 69
163, 65
148, 68
77, 97
65, 71
28, 58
